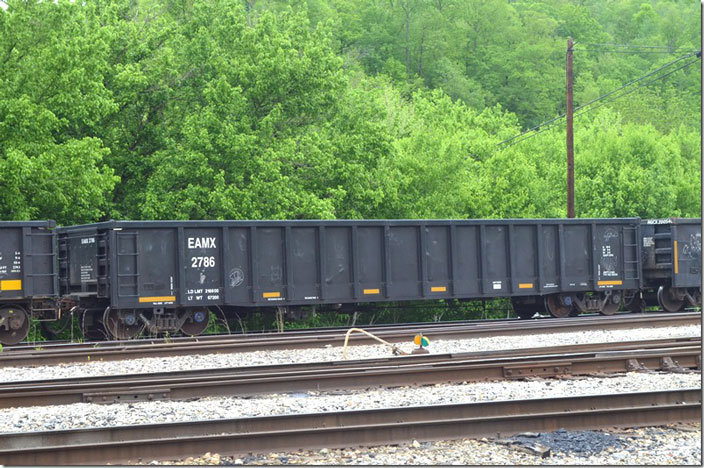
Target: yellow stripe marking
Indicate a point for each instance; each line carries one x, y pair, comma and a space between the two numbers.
157, 299
610, 283
677, 267
371, 291
271, 294
438, 289
11, 285
525, 285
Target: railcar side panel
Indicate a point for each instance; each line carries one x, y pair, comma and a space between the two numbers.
404, 279
145, 269
28, 277
28, 261
496, 260
576, 245
370, 265
12, 277
338, 265
549, 258
269, 254
524, 264
304, 258
438, 261
687, 245
608, 256
238, 284
468, 279
203, 265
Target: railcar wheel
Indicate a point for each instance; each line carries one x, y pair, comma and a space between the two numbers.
668, 301
121, 325
559, 306
14, 325
196, 322
610, 303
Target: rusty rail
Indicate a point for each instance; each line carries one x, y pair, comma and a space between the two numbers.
205, 338
243, 343
65, 344
665, 355
175, 441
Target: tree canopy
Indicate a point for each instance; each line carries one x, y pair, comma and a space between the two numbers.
272, 109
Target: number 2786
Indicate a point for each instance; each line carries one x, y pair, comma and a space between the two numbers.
202, 262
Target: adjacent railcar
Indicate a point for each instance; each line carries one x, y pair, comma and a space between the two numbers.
164, 275
671, 264
28, 277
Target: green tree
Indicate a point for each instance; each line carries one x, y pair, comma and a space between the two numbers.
253, 142
630, 170
52, 104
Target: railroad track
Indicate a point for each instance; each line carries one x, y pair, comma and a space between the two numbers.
111, 351
67, 344
389, 327
173, 441
666, 355
270, 332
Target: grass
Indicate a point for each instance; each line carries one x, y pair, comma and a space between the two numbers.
364, 315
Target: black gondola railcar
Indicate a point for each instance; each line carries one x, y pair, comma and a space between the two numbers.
671, 264
28, 277
164, 275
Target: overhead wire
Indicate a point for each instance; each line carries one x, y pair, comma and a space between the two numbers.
549, 126
552, 122
638, 87
630, 46
603, 51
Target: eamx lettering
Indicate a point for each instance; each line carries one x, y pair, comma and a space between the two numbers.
201, 243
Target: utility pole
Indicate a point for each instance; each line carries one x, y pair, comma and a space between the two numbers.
570, 136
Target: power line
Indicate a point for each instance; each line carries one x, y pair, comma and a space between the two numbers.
631, 46
636, 80
546, 125
640, 86
551, 125
604, 51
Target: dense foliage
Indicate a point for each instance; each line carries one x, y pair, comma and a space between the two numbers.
225, 109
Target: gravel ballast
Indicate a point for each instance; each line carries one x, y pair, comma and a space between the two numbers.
333, 352
655, 446
82, 415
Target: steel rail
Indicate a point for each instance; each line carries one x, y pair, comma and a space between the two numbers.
243, 343
410, 326
668, 355
64, 344
415, 358
173, 441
